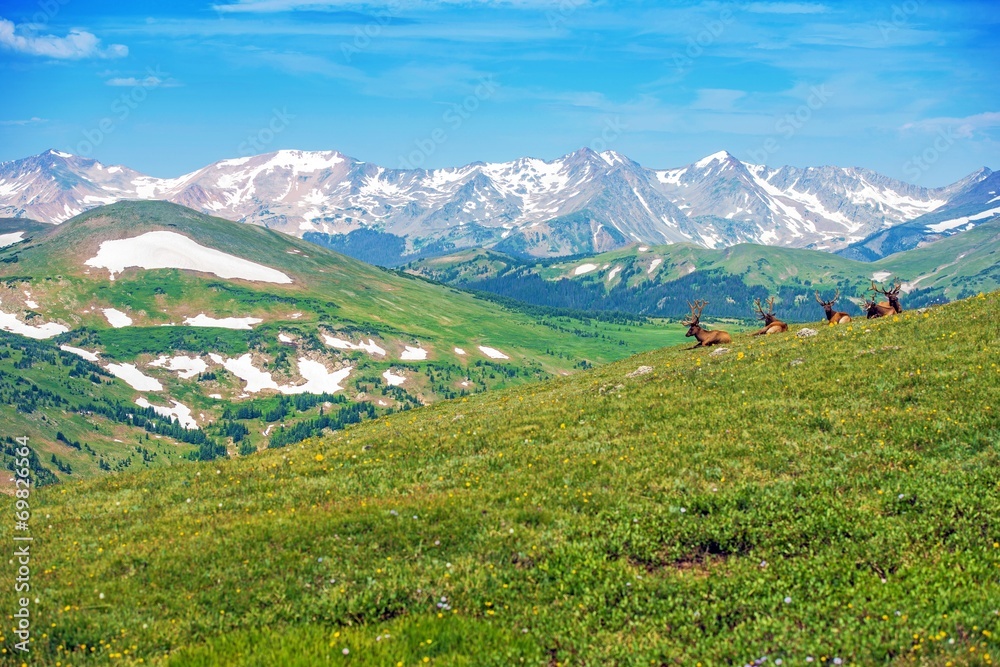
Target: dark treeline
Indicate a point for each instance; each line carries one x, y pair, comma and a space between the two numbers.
273, 409
728, 295
375, 247
40, 475
146, 418
349, 414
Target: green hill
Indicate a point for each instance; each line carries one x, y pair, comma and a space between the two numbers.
830, 500
468, 344
660, 280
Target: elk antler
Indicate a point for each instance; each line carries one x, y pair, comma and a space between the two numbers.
818, 299
760, 309
875, 289
896, 286
696, 308
835, 297
770, 306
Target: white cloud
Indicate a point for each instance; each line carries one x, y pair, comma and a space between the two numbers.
34, 120
74, 46
964, 128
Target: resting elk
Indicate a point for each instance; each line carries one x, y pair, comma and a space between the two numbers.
705, 338
834, 316
889, 307
772, 324
872, 309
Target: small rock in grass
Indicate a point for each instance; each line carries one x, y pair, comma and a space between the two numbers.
642, 370
719, 351
806, 333
795, 362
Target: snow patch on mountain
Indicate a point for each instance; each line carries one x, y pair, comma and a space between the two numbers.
11, 239
964, 220
10, 322
371, 347
179, 411
116, 318
89, 356
392, 379
185, 367
134, 377
203, 320
492, 352
170, 250
413, 354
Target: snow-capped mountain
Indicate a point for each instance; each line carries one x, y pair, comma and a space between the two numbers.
580, 203
972, 205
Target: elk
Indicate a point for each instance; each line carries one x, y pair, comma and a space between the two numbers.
872, 309
705, 338
834, 316
892, 305
772, 324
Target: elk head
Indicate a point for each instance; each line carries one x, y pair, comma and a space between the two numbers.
872, 309
832, 315
693, 320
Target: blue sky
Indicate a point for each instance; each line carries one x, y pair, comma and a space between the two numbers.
906, 87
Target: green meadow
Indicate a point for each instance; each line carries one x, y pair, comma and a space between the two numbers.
823, 500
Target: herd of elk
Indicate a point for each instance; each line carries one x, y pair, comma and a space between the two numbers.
773, 325
705, 338
890, 307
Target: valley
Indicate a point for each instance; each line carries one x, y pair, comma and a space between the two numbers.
138, 313
659, 281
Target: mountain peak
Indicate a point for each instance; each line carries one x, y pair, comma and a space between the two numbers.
721, 156
61, 154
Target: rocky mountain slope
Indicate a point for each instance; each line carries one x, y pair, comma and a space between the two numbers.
977, 204
584, 202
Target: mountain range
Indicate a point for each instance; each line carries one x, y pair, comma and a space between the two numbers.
582, 203
660, 281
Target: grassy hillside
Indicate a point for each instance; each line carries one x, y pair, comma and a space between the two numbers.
830, 499
659, 280
45, 279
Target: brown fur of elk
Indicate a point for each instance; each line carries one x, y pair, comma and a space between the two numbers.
833, 316
890, 307
705, 338
772, 324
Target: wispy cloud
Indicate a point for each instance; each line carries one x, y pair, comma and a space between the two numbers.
303, 63
786, 8
147, 82
76, 45
274, 6
965, 128
34, 120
